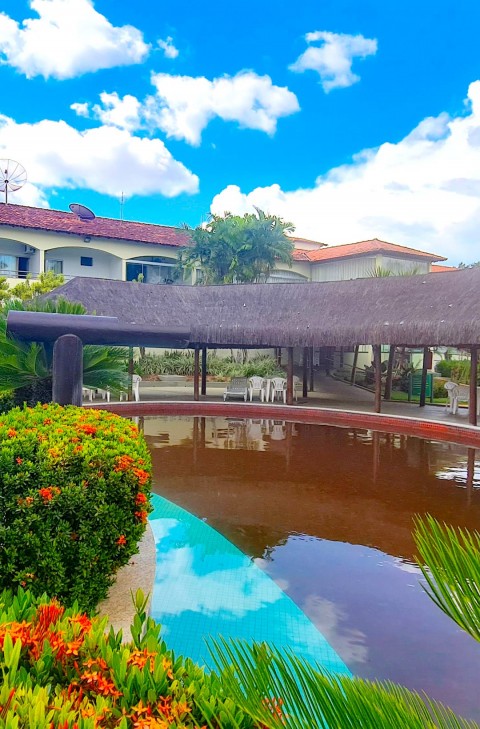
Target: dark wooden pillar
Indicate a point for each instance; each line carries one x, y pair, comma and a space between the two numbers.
472, 410
388, 382
354, 366
196, 373
312, 371
130, 374
423, 384
204, 371
67, 370
377, 362
289, 375
305, 372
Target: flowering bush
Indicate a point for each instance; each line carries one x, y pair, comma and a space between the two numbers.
61, 670
74, 500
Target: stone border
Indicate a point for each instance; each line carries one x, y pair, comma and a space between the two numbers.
139, 573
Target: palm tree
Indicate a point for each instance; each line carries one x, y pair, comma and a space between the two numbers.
281, 690
26, 368
232, 248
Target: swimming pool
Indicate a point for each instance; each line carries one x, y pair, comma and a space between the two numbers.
325, 513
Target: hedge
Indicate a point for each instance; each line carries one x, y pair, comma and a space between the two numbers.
74, 500
61, 670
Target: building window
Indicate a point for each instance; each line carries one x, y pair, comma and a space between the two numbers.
54, 265
86, 261
8, 265
152, 272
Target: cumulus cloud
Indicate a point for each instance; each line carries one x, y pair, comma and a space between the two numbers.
333, 57
69, 38
114, 111
183, 105
105, 159
419, 192
168, 47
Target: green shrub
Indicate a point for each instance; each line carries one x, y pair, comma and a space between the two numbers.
74, 487
6, 402
182, 363
62, 670
439, 390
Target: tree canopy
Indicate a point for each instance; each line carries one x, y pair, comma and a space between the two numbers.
236, 249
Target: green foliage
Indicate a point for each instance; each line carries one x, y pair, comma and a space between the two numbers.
29, 287
62, 670
26, 368
182, 363
73, 500
282, 690
456, 370
439, 390
235, 249
450, 561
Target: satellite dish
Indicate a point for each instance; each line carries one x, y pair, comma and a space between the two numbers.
82, 212
13, 176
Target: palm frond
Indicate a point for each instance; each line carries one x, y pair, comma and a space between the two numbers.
281, 690
450, 561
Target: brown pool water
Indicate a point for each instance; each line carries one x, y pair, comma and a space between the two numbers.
327, 512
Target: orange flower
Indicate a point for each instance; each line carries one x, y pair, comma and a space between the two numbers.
19, 460
140, 499
11, 432
87, 429
48, 493
121, 540
141, 475
123, 463
141, 516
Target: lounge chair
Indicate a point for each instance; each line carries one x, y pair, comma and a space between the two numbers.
237, 387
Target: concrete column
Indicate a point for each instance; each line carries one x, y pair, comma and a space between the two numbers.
123, 273
41, 261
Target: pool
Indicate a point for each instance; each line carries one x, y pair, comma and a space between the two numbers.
326, 514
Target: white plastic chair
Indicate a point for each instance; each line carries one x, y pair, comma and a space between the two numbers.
136, 380
88, 392
459, 393
278, 387
256, 384
297, 385
105, 394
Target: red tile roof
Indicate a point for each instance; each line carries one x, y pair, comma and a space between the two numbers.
364, 248
435, 268
21, 216
301, 255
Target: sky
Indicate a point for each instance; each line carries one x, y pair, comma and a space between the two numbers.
352, 119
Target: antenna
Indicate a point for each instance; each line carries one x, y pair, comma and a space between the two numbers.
82, 212
122, 203
13, 176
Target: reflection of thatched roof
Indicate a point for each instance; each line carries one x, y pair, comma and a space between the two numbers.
432, 309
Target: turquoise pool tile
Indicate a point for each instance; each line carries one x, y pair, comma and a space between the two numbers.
206, 587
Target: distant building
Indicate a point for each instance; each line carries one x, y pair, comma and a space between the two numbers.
33, 240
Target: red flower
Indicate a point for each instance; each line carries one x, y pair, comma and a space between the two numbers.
19, 460
11, 432
140, 499
141, 516
121, 540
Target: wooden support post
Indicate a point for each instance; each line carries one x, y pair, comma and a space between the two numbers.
305, 372
377, 362
196, 373
423, 383
204, 371
312, 372
279, 356
472, 408
289, 375
67, 370
354, 366
130, 374
388, 382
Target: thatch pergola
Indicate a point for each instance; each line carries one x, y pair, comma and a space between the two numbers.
441, 309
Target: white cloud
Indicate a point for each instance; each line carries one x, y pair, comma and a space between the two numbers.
420, 192
184, 105
122, 113
69, 38
105, 159
333, 58
168, 47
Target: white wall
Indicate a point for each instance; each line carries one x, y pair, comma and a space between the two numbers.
104, 264
344, 270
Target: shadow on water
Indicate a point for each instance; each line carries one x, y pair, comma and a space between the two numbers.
327, 512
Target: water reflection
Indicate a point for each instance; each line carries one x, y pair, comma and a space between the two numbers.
328, 514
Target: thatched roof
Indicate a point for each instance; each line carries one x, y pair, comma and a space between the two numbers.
441, 309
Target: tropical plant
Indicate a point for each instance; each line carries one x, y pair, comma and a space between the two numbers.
62, 669
283, 690
26, 368
29, 287
235, 249
74, 500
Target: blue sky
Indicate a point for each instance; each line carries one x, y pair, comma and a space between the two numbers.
351, 118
